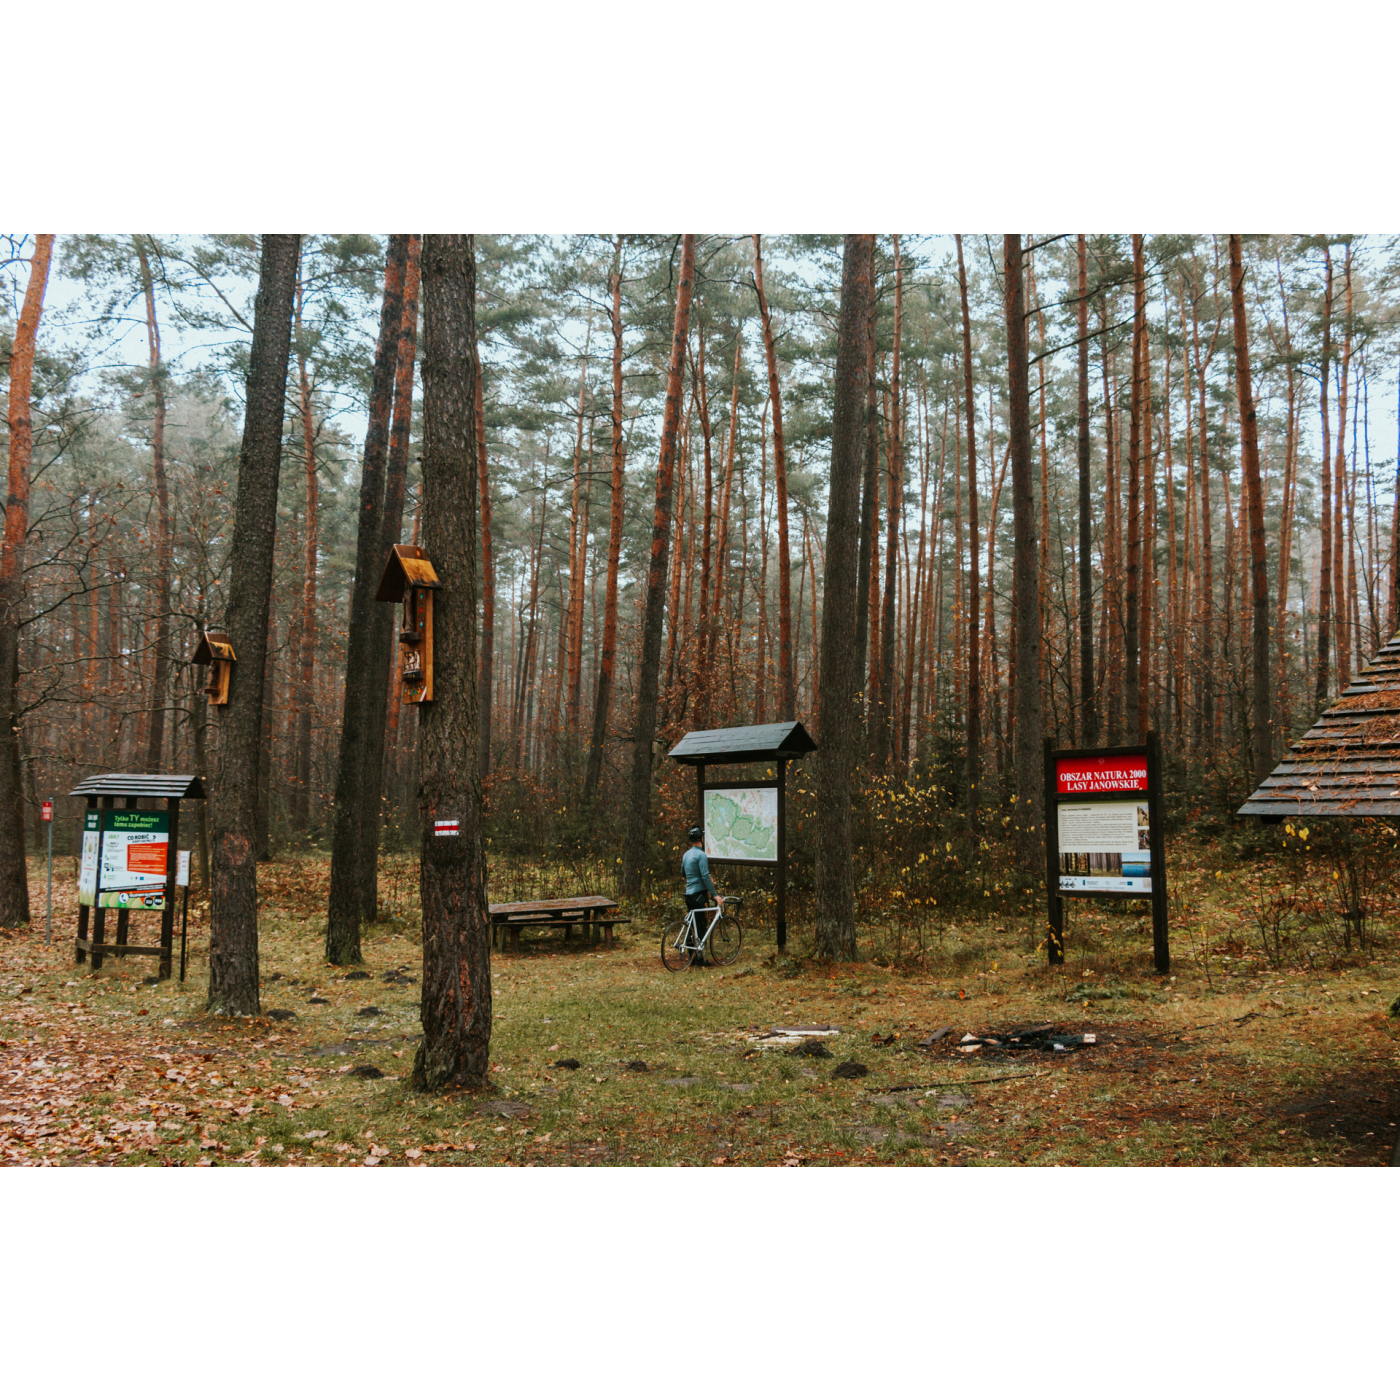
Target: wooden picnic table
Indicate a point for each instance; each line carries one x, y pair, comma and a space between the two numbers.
593, 911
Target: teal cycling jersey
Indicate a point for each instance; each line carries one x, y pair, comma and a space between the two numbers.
695, 866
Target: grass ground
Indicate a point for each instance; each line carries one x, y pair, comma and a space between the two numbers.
1227, 1062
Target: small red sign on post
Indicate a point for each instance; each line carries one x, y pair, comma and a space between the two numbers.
46, 812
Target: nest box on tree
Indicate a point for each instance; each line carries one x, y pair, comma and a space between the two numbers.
409, 578
216, 651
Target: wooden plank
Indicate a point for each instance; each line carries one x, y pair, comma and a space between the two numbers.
533, 906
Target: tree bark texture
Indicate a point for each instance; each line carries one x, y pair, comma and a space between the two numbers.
347, 880
1249, 453
644, 731
488, 578
841, 663
869, 502
14, 875
1131, 696
786, 675
1029, 756
602, 705
456, 1000
161, 678
233, 793
306, 663
974, 660
383, 649
1089, 724
894, 510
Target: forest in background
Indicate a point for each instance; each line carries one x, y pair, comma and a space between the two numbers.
136, 455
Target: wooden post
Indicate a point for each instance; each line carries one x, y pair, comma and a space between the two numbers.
167, 917
1157, 841
123, 915
99, 921
782, 853
699, 794
1055, 938
85, 910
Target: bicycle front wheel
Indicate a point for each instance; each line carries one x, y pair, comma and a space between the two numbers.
674, 956
726, 938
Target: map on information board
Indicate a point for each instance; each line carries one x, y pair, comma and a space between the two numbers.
741, 824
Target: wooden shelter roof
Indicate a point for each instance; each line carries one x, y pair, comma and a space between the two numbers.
754, 743
1348, 763
175, 785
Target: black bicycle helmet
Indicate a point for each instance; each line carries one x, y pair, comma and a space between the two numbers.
696, 833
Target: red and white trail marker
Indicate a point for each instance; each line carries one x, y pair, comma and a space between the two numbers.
447, 828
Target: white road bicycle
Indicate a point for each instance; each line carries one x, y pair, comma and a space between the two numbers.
721, 936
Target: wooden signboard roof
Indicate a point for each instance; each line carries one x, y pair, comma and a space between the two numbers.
754, 743
175, 785
1348, 763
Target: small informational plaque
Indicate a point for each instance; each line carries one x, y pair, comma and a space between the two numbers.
87, 868
182, 868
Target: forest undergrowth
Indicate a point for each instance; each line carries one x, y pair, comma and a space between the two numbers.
1269, 1043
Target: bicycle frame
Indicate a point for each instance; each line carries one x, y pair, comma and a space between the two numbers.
690, 938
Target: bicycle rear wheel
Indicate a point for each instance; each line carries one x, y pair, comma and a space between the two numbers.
675, 957
726, 938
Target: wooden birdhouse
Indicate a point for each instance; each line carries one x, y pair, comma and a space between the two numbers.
216, 651
409, 579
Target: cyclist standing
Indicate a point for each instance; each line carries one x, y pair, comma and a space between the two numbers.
699, 888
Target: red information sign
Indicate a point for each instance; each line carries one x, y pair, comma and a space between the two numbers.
1090, 776
146, 859
46, 812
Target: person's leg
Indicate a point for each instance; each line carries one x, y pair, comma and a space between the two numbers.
697, 903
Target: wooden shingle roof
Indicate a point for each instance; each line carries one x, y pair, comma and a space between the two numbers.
754, 743
140, 785
1348, 763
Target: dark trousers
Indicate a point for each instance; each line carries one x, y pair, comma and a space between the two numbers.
700, 901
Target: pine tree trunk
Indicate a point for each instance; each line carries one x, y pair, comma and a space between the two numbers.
1131, 697
700, 680
602, 706
644, 732
1089, 721
301, 806
384, 651
869, 508
1324, 591
1341, 621
456, 998
785, 661
488, 576
894, 510
347, 881
233, 791
573, 643
1029, 758
164, 566
835, 929
974, 661
14, 875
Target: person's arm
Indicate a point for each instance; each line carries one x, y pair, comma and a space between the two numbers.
705, 874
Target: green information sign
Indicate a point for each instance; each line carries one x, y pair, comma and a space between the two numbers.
124, 859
